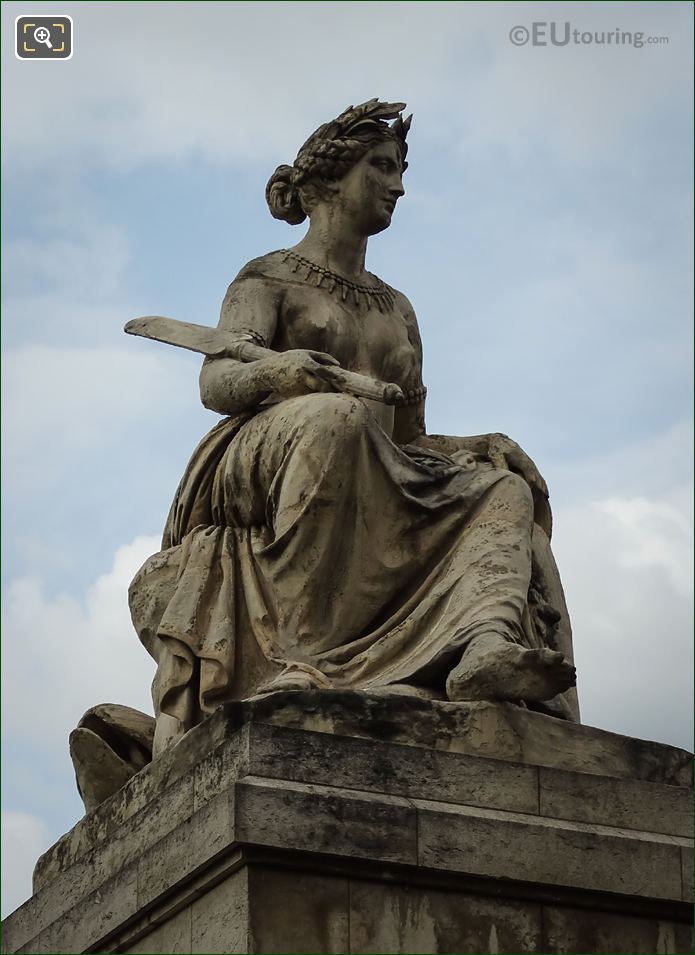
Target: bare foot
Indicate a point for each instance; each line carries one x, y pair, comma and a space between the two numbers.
287, 681
494, 669
295, 676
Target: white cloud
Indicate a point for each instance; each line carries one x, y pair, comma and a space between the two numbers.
87, 260
73, 403
24, 838
94, 389
230, 93
61, 656
72, 653
653, 535
655, 465
67, 267
581, 99
626, 566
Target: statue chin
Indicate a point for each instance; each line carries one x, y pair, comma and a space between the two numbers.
379, 224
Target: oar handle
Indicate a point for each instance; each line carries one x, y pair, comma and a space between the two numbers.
350, 381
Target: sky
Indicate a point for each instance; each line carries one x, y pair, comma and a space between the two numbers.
544, 239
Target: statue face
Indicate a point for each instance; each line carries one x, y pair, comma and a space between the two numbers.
368, 193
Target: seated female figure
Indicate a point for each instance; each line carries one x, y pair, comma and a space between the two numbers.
323, 540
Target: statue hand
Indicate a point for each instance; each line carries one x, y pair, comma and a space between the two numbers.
300, 372
506, 454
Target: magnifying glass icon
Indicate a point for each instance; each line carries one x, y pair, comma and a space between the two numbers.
43, 35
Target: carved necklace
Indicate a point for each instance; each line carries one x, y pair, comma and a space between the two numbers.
380, 294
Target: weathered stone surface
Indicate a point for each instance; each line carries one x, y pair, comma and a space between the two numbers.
401, 918
627, 804
220, 918
351, 813
309, 911
217, 751
321, 818
227, 761
111, 853
328, 760
687, 873
569, 930
95, 916
499, 730
170, 938
554, 852
146, 787
189, 847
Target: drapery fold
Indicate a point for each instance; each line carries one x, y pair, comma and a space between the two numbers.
302, 537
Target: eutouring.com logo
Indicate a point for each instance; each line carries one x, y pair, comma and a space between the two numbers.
551, 33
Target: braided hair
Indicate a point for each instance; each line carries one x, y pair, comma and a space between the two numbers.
331, 151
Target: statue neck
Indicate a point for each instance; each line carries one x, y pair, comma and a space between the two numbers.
334, 244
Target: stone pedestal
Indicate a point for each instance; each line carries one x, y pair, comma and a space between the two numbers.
336, 822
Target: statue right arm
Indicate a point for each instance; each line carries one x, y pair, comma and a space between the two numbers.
251, 307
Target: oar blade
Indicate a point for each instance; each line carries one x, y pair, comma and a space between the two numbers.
199, 338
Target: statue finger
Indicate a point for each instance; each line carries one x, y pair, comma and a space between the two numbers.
498, 460
323, 359
320, 382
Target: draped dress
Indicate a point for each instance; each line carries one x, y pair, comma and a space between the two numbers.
312, 535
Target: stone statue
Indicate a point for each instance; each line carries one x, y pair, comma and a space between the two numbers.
320, 538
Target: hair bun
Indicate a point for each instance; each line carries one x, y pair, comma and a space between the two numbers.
282, 197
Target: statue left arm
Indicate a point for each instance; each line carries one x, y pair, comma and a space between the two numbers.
502, 453
409, 419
